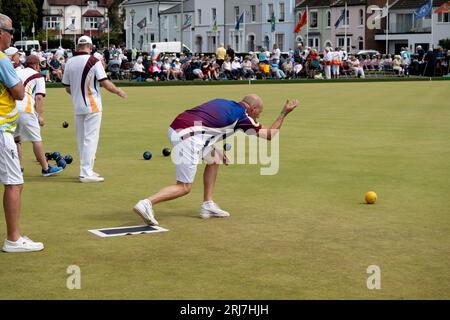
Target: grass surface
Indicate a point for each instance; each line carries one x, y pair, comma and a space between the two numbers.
301, 234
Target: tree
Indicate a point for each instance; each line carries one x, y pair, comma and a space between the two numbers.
445, 43
23, 13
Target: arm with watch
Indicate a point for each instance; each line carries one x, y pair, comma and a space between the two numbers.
269, 133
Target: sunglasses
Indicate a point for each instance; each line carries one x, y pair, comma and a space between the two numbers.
10, 31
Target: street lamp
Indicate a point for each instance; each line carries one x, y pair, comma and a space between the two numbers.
132, 14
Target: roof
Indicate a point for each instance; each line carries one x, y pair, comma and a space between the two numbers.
313, 3
149, 1
101, 3
92, 13
188, 7
341, 3
415, 4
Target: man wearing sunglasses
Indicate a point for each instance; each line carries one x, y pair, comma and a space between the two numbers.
11, 89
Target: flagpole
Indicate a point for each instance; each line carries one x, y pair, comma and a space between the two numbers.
307, 28
345, 27
243, 39
107, 25
182, 25
432, 35
387, 27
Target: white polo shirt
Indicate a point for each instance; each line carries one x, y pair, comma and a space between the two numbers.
34, 84
83, 73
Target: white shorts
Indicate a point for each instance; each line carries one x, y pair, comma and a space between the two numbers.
10, 173
28, 128
186, 154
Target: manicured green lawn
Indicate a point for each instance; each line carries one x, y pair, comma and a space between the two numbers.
304, 233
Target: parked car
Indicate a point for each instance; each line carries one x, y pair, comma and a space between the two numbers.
368, 52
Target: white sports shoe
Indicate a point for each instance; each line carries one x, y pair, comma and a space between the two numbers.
23, 244
210, 209
92, 179
144, 209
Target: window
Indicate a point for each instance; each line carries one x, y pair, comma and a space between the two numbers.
199, 16
213, 14
236, 42
342, 44
404, 23
313, 20
92, 4
175, 20
281, 11
279, 40
361, 17
360, 43
90, 23
328, 19
150, 15
152, 37
313, 42
444, 17
253, 13
269, 11
236, 14
166, 24
347, 18
51, 23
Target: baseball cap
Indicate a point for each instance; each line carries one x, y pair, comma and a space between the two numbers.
11, 51
84, 40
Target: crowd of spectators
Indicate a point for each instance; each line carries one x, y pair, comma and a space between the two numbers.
225, 64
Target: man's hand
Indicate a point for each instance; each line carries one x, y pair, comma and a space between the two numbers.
290, 105
121, 93
41, 120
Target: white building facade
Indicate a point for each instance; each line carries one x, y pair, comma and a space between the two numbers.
283, 35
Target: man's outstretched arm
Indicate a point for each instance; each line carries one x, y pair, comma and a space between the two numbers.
268, 133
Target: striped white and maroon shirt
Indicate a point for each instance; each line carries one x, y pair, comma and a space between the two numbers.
34, 84
83, 73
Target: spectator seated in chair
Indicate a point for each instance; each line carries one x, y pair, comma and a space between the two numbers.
114, 68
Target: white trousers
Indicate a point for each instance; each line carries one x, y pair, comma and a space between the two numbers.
328, 72
88, 132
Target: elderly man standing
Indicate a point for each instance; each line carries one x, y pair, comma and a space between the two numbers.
193, 134
221, 52
11, 89
81, 78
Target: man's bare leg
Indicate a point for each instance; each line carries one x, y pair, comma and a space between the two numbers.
171, 192
11, 205
209, 181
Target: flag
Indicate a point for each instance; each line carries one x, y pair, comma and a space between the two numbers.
385, 11
302, 22
32, 29
107, 24
214, 26
424, 11
71, 26
188, 22
444, 8
141, 24
272, 22
241, 20
342, 17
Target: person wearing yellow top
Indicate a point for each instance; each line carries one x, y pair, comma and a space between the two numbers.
221, 52
11, 89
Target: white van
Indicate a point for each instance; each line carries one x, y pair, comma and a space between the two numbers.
166, 47
27, 45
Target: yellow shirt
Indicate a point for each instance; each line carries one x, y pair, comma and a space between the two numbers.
9, 114
221, 53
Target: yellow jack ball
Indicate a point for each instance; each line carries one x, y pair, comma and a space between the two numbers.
371, 197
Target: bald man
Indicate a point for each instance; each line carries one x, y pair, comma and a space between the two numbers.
193, 134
